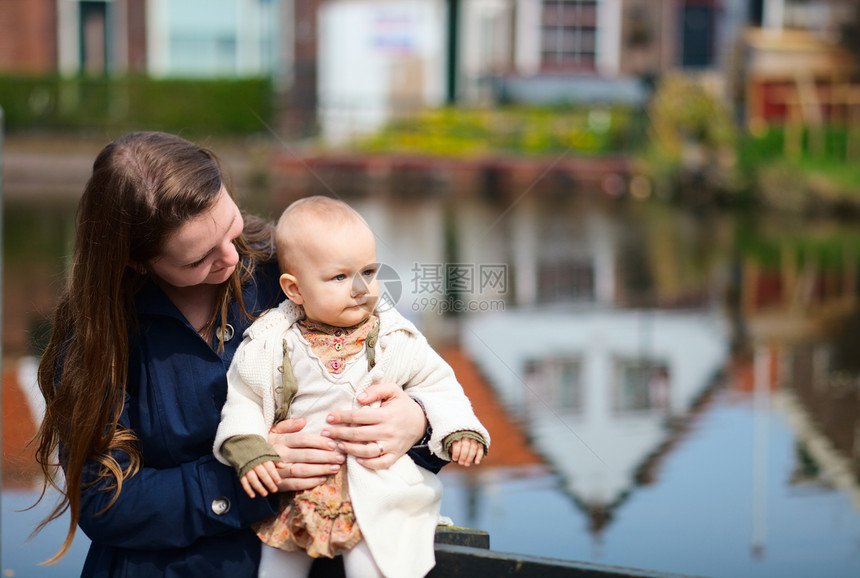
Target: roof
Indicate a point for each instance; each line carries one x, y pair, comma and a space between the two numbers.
509, 445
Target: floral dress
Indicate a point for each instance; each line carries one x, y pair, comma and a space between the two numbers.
321, 520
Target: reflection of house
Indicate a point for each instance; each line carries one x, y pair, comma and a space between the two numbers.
510, 446
22, 410
821, 397
597, 387
791, 297
580, 253
408, 240
817, 460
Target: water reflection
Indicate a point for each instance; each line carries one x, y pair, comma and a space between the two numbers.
600, 392
665, 390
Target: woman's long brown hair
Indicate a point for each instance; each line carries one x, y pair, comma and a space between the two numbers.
144, 186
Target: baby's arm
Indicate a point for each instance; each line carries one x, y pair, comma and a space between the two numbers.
448, 410
466, 451
263, 478
256, 462
465, 447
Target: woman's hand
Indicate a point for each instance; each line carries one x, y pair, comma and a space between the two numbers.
378, 436
308, 458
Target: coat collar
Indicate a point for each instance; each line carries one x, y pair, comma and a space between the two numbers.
151, 300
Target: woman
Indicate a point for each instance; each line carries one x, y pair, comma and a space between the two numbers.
167, 274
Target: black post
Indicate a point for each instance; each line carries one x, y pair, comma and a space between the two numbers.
453, 51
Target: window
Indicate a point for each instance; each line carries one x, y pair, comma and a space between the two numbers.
640, 385
569, 35
555, 383
93, 36
565, 281
698, 32
195, 54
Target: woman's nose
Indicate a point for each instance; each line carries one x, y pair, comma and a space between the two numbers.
229, 256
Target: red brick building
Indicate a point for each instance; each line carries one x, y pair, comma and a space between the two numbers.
96, 37
28, 36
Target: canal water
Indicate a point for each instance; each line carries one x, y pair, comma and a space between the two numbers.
666, 390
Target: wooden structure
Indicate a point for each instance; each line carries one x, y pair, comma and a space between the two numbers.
799, 81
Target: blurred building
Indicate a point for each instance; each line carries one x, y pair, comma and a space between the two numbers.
600, 390
191, 38
217, 39
798, 66
28, 36
346, 67
379, 59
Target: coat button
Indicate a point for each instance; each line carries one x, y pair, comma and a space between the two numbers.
220, 506
225, 333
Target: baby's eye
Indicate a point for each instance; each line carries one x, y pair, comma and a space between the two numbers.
369, 272
340, 277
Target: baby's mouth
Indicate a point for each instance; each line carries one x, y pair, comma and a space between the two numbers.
366, 303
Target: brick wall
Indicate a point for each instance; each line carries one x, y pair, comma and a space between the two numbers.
136, 35
28, 35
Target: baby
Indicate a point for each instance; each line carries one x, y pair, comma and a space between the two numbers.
315, 353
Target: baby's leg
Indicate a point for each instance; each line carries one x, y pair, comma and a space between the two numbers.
358, 562
275, 563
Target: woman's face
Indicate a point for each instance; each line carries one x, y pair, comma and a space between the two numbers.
201, 251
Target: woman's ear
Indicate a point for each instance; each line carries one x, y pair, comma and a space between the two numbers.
290, 287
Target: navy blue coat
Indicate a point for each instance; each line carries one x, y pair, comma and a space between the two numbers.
184, 513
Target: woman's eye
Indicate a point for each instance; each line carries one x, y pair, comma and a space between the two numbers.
196, 263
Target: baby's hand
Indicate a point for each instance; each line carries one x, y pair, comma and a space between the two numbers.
466, 451
262, 478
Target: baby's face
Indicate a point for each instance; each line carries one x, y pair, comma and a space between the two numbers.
336, 275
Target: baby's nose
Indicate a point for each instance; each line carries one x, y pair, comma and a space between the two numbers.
359, 287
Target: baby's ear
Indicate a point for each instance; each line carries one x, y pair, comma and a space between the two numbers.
290, 287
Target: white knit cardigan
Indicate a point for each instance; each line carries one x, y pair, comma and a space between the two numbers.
397, 509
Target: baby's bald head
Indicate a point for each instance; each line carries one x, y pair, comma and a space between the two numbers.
305, 222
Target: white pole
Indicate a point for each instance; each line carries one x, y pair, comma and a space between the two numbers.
762, 378
774, 14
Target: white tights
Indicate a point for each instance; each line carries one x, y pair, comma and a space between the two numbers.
275, 563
